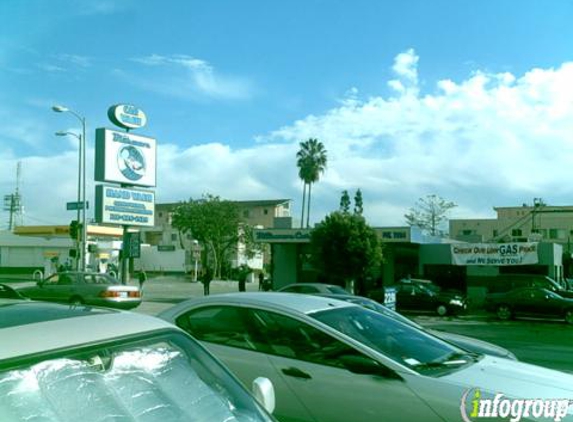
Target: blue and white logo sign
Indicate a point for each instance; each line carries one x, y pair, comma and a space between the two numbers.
125, 158
131, 162
127, 116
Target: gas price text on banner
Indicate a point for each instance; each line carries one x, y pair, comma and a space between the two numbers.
495, 253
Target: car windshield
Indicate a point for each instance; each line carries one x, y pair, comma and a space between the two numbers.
375, 306
164, 378
401, 342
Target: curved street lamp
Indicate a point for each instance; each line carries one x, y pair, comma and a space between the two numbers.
79, 137
81, 176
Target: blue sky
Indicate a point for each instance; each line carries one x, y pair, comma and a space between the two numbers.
470, 100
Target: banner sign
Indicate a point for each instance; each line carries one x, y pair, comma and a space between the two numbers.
124, 206
523, 253
125, 158
282, 235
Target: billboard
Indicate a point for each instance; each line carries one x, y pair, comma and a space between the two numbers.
523, 253
123, 206
122, 157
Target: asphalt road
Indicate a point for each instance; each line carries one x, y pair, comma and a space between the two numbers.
544, 343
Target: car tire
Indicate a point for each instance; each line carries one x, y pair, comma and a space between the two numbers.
442, 310
76, 301
503, 312
569, 316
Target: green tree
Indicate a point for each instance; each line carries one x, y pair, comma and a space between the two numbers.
430, 214
311, 163
358, 204
344, 247
345, 202
217, 226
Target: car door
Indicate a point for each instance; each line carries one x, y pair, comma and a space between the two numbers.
546, 303
311, 362
530, 302
225, 331
56, 288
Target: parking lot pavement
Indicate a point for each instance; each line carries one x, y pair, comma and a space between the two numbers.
162, 292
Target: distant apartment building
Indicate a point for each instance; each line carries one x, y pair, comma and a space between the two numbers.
538, 222
164, 238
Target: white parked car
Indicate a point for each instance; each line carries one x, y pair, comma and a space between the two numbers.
76, 363
335, 361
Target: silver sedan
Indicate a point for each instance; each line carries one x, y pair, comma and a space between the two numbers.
334, 361
84, 288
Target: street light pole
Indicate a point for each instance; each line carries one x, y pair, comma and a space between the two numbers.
79, 198
82, 176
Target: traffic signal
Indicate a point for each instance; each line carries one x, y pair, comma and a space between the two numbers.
74, 228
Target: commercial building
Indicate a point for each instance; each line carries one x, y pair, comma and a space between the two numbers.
468, 267
172, 251
538, 222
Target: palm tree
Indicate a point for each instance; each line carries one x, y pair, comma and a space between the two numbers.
311, 163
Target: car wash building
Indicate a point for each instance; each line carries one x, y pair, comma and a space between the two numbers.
291, 254
468, 267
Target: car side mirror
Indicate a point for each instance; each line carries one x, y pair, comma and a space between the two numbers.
264, 392
364, 365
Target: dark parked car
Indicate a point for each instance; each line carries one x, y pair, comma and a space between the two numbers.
503, 283
531, 302
84, 288
413, 295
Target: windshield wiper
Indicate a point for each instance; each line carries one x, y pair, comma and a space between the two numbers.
452, 359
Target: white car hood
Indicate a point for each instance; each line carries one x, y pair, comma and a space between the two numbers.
514, 379
491, 375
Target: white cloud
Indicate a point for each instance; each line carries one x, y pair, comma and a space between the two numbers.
489, 140
189, 77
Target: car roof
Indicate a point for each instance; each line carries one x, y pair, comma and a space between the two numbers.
29, 327
311, 284
280, 301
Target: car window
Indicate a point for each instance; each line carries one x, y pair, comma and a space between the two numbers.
65, 280
224, 325
337, 290
306, 289
288, 337
166, 377
101, 279
407, 289
52, 280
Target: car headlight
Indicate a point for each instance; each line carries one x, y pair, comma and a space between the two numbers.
456, 302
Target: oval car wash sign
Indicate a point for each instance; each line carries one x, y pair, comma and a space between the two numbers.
127, 116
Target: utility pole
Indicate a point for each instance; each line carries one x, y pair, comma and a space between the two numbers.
13, 202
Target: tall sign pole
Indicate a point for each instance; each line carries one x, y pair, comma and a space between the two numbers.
128, 160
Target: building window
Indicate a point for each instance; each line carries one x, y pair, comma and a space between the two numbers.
265, 211
495, 233
557, 234
516, 232
173, 237
468, 232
